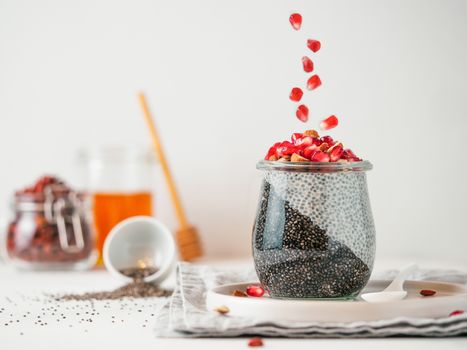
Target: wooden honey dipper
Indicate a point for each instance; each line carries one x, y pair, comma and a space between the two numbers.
187, 236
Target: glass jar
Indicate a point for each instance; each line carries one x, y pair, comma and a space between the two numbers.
314, 235
120, 181
50, 231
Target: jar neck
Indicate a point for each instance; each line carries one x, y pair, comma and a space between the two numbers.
314, 167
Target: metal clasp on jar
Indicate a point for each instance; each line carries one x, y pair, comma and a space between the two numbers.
54, 211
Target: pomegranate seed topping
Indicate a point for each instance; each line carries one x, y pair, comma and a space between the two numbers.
313, 45
296, 136
335, 152
256, 341
427, 292
302, 113
255, 291
296, 20
307, 64
329, 123
308, 151
272, 151
313, 82
296, 94
319, 156
328, 139
285, 148
456, 313
304, 141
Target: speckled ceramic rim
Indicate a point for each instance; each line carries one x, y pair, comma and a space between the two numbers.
314, 167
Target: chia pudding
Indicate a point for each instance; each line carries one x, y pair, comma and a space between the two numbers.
314, 234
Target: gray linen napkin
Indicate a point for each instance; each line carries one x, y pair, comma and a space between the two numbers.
185, 314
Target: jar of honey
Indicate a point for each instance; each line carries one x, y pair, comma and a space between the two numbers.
120, 181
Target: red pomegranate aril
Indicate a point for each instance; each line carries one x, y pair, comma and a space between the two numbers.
256, 341
308, 151
285, 148
307, 64
329, 123
295, 137
319, 156
313, 45
296, 20
456, 313
328, 139
427, 292
296, 94
313, 83
336, 153
272, 151
255, 291
302, 113
304, 141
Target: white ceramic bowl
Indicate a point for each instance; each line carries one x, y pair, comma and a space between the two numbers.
140, 240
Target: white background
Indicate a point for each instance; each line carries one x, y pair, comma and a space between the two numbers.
218, 74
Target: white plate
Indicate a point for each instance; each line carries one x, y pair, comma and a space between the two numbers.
448, 297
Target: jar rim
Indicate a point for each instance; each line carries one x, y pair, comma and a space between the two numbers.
314, 167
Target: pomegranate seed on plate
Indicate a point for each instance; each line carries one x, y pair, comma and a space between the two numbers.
427, 292
296, 94
296, 20
255, 291
302, 113
307, 64
456, 313
329, 123
256, 341
319, 156
313, 82
313, 45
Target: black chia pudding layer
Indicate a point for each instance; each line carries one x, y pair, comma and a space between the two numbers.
295, 258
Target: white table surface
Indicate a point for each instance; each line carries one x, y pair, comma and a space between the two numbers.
133, 321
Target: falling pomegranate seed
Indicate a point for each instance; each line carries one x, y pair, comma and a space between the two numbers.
313, 45
319, 156
302, 113
329, 123
313, 82
296, 20
296, 94
255, 291
307, 64
456, 313
256, 341
427, 292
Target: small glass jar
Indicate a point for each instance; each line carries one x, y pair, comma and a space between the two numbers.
50, 230
120, 181
314, 235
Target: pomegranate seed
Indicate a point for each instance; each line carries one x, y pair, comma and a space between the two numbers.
427, 292
296, 136
296, 20
308, 151
302, 113
313, 45
313, 82
456, 313
296, 94
329, 123
335, 152
304, 141
328, 139
255, 291
256, 341
319, 156
285, 148
307, 64
272, 151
